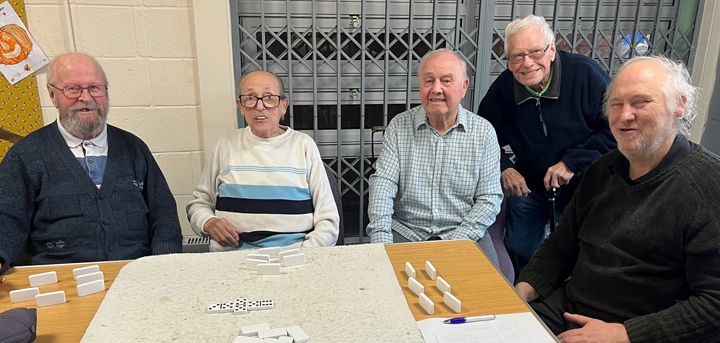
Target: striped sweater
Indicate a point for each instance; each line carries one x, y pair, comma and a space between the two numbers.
272, 189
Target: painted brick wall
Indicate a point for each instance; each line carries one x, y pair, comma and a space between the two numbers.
147, 48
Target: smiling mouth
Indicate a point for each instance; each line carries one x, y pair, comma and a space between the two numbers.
530, 73
437, 100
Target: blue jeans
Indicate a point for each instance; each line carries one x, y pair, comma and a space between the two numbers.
525, 220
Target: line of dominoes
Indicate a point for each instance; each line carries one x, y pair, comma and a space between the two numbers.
268, 261
241, 306
90, 280
450, 300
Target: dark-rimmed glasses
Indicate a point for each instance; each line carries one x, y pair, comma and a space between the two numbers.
534, 55
74, 92
268, 101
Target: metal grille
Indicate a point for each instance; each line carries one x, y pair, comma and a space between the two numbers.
350, 66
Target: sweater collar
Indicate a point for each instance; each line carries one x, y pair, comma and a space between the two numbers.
522, 94
420, 120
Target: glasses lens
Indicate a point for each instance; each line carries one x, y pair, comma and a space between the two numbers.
97, 90
536, 55
248, 100
72, 91
271, 101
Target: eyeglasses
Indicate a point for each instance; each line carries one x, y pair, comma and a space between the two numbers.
74, 92
534, 55
269, 101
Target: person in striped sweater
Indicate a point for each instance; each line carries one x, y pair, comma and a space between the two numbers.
264, 185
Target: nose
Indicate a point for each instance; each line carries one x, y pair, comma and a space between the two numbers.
85, 95
260, 105
436, 87
527, 61
626, 113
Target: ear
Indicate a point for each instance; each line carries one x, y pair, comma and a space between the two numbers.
553, 51
682, 102
284, 103
53, 97
465, 86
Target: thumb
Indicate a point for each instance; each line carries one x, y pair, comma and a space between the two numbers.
576, 318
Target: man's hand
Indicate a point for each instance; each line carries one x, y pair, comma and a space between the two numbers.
557, 175
513, 183
526, 291
222, 232
593, 330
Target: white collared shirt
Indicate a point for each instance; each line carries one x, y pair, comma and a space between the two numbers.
91, 153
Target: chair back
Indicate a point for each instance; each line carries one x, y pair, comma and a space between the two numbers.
338, 202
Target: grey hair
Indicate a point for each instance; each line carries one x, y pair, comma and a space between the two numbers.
279, 81
677, 85
526, 21
452, 52
52, 66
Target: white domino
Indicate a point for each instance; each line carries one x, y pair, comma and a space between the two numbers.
427, 304
297, 334
452, 302
272, 333
284, 339
260, 305
241, 306
430, 270
91, 287
90, 277
269, 268
251, 330
270, 340
409, 270
252, 263
442, 285
262, 257
272, 252
221, 308
25, 294
293, 260
282, 254
85, 270
243, 339
49, 299
43, 279
416, 286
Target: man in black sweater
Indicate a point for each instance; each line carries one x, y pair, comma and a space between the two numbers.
636, 255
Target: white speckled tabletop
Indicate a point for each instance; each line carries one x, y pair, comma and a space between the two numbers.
343, 294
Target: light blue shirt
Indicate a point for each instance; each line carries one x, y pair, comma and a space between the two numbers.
91, 153
431, 185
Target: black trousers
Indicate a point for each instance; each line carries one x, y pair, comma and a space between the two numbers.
551, 309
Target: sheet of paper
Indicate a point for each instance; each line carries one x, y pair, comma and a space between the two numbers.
506, 328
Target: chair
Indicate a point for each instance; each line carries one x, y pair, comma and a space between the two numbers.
497, 232
338, 202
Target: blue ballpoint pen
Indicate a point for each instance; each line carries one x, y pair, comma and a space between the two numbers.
461, 320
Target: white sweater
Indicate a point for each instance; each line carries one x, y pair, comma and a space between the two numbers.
267, 184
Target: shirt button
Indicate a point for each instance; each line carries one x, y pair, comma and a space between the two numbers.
100, 196
105, 222
89, 160
109, 248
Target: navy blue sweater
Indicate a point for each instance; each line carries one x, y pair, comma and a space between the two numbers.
571, 109
51, 210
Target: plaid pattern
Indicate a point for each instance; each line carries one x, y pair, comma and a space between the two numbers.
428, 185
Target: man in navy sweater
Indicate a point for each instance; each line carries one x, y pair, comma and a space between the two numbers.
547, 107
80, 190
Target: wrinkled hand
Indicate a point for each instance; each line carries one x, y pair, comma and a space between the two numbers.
513, 183
558, 175
222, 232
526, 291
593, 331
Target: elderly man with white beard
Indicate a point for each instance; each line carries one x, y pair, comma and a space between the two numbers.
80, 190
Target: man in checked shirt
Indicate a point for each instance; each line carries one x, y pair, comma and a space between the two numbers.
438, 176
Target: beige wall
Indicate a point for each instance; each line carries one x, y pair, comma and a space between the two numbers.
147, 48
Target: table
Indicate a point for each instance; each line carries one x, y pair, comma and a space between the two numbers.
474, 280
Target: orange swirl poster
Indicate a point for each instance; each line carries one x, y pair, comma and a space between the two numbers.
20, 111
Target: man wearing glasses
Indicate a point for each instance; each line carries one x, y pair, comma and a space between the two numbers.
547, 106
80, 190
264, 185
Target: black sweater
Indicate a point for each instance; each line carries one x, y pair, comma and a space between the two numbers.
646, 255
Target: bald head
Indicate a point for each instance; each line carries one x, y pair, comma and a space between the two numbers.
62, 65
266, 75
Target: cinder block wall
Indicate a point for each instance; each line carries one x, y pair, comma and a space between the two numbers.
147, 48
